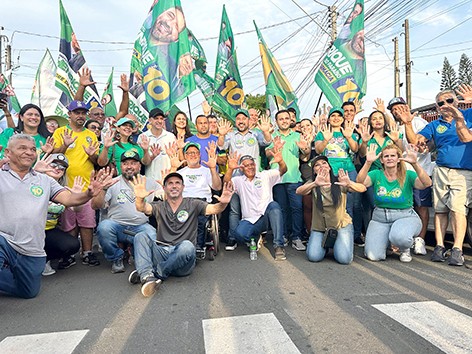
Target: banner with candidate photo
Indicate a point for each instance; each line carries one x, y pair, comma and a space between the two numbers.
342, 74
108, 101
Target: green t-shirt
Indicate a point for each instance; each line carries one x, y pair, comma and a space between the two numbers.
377, 165
338, 152
390, 195
290, 154
115, 152
9, 132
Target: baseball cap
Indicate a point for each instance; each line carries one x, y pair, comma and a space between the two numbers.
336, 109
173, 174
317, 158
74, 105
60, 159
244, 158
124, 120
156, 112
130, 154
242, 111
394, 101
188, 145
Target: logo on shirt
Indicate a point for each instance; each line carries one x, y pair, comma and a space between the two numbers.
258, 183
37, 191
239, 144
192, 178
182, 216
251, 142
441, 129
89, 140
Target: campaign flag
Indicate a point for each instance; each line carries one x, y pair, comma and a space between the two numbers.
342, 74
13, 104
277, 85
69, 62
161, 65
108, 102
229, 94
45, 94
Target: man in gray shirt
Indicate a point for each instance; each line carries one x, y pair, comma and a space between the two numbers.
23, 207
123, 220
173, 251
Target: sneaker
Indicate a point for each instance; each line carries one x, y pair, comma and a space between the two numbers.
200, 252
260, 242
48, 270
359, 241
298, 245
405, 256
285, 241
90, 259
280, 254
66, 263
231, 245
456, 258
150, 286
419, 246
134, 277
118, 266
439, 254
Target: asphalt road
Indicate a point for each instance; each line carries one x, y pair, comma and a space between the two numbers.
322, 307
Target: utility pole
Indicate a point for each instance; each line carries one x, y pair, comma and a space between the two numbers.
8, 64
334, 17
396, 69
407, 62
1, 38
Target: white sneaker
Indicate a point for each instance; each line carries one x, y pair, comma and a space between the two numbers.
48, 270
419, 246
298, 245
405, 256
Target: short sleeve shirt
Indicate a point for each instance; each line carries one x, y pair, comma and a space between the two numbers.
290, 154
338, 152
115, 152
197, 182
391, 195
173, 228
9, 132
162, 161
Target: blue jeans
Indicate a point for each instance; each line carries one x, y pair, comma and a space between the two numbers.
343, 247
273, 216
20, 275
395, 226
291, 204
234, 216
110, 232
152, 259
202, 220
354, 207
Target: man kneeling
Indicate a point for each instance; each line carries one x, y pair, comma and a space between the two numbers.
173, 251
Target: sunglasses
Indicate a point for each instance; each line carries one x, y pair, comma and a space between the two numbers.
94, 127
448, 100
58, 166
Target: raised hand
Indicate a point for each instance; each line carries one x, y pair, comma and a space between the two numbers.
92, 148
154, 151
303, 144
144, 142
411, 154
42, 165
211, 150
394, 133
404, 114
124, 84
109, 138
139, 187
180, 141
466, 92
278, 143
79, 184
358, 103
343, 178
99, 180
364, 132
173, 153
226, 194
233, 160
322, 178
451, 111
206, 108
327, 132
67, 138
372, 155
379, 105
264, 123
85, 77
47, 147
224, 127
348, 129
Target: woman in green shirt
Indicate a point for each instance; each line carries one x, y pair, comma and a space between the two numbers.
394, 220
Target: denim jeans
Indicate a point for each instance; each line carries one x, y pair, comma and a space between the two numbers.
291, 204
272, 216
234, 215
110, 232
20, 275
395, 226
343, 247
202, 220
162, 261
354, 207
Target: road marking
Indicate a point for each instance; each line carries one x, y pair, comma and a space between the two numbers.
44, 343
447, 329
260, 333
462, 303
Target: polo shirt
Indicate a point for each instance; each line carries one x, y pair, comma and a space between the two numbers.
291, 156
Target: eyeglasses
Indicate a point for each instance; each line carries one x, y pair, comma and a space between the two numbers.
94, 127
192, 152
98, 114
57, 166
448, 100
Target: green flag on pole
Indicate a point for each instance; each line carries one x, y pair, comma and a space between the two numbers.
161, 65
6, 88
277, 84
108, 102
342, 74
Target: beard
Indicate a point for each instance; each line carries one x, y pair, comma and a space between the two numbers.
129, 175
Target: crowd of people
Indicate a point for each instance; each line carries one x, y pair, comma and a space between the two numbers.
316, 184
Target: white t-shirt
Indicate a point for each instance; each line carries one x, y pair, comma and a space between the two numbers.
197, 182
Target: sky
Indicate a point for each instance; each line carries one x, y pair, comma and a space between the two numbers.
437, 29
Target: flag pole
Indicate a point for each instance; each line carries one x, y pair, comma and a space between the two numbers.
276, 103
319, 100
189, 110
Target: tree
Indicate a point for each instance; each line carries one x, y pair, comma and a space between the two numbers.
257, 102
448, 78
465, 70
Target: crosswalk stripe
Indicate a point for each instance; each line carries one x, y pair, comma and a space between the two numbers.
44, 343
261, 333
447, 329
462, 303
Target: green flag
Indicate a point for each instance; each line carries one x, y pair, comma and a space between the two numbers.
108, 102
229, 94
161, 65
277, 84
342, 74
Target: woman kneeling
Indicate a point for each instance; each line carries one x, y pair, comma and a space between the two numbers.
329, 212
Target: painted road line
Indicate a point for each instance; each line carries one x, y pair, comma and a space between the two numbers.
447, 329
260, 333
462, 303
